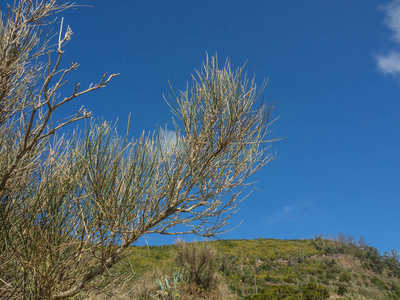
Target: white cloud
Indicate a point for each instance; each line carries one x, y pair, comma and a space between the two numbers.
392, 18
390, 63
169, 136
287, 209
168, 139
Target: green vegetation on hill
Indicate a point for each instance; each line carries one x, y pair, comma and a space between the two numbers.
262, 269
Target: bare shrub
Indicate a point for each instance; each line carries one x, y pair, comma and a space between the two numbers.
72, 205
199, 260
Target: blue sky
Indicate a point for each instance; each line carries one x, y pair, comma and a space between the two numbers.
334, 72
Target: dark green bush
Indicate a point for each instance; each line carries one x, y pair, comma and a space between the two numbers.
265, 267
278, 292
324, 281
345, 277
272, 279
313, 291
372, 259
330, 263
342, 290
289, 279
379, 283
247, 276
392, 262
395, 291
330, 275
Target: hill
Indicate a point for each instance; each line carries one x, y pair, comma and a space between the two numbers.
257, 269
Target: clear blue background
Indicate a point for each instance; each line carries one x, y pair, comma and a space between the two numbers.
338, 170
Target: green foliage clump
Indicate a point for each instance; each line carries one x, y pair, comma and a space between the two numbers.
372, 259
345, 277
395, 291
342, 290
290, 279
392, 262
379, 283
278, 292
265, 267
313, 291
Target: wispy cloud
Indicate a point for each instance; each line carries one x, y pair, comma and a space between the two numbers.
168, 139
392, 18
287, 209
390, 63
168, 136
295, 212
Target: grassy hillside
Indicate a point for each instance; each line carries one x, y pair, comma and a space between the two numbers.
262, 269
